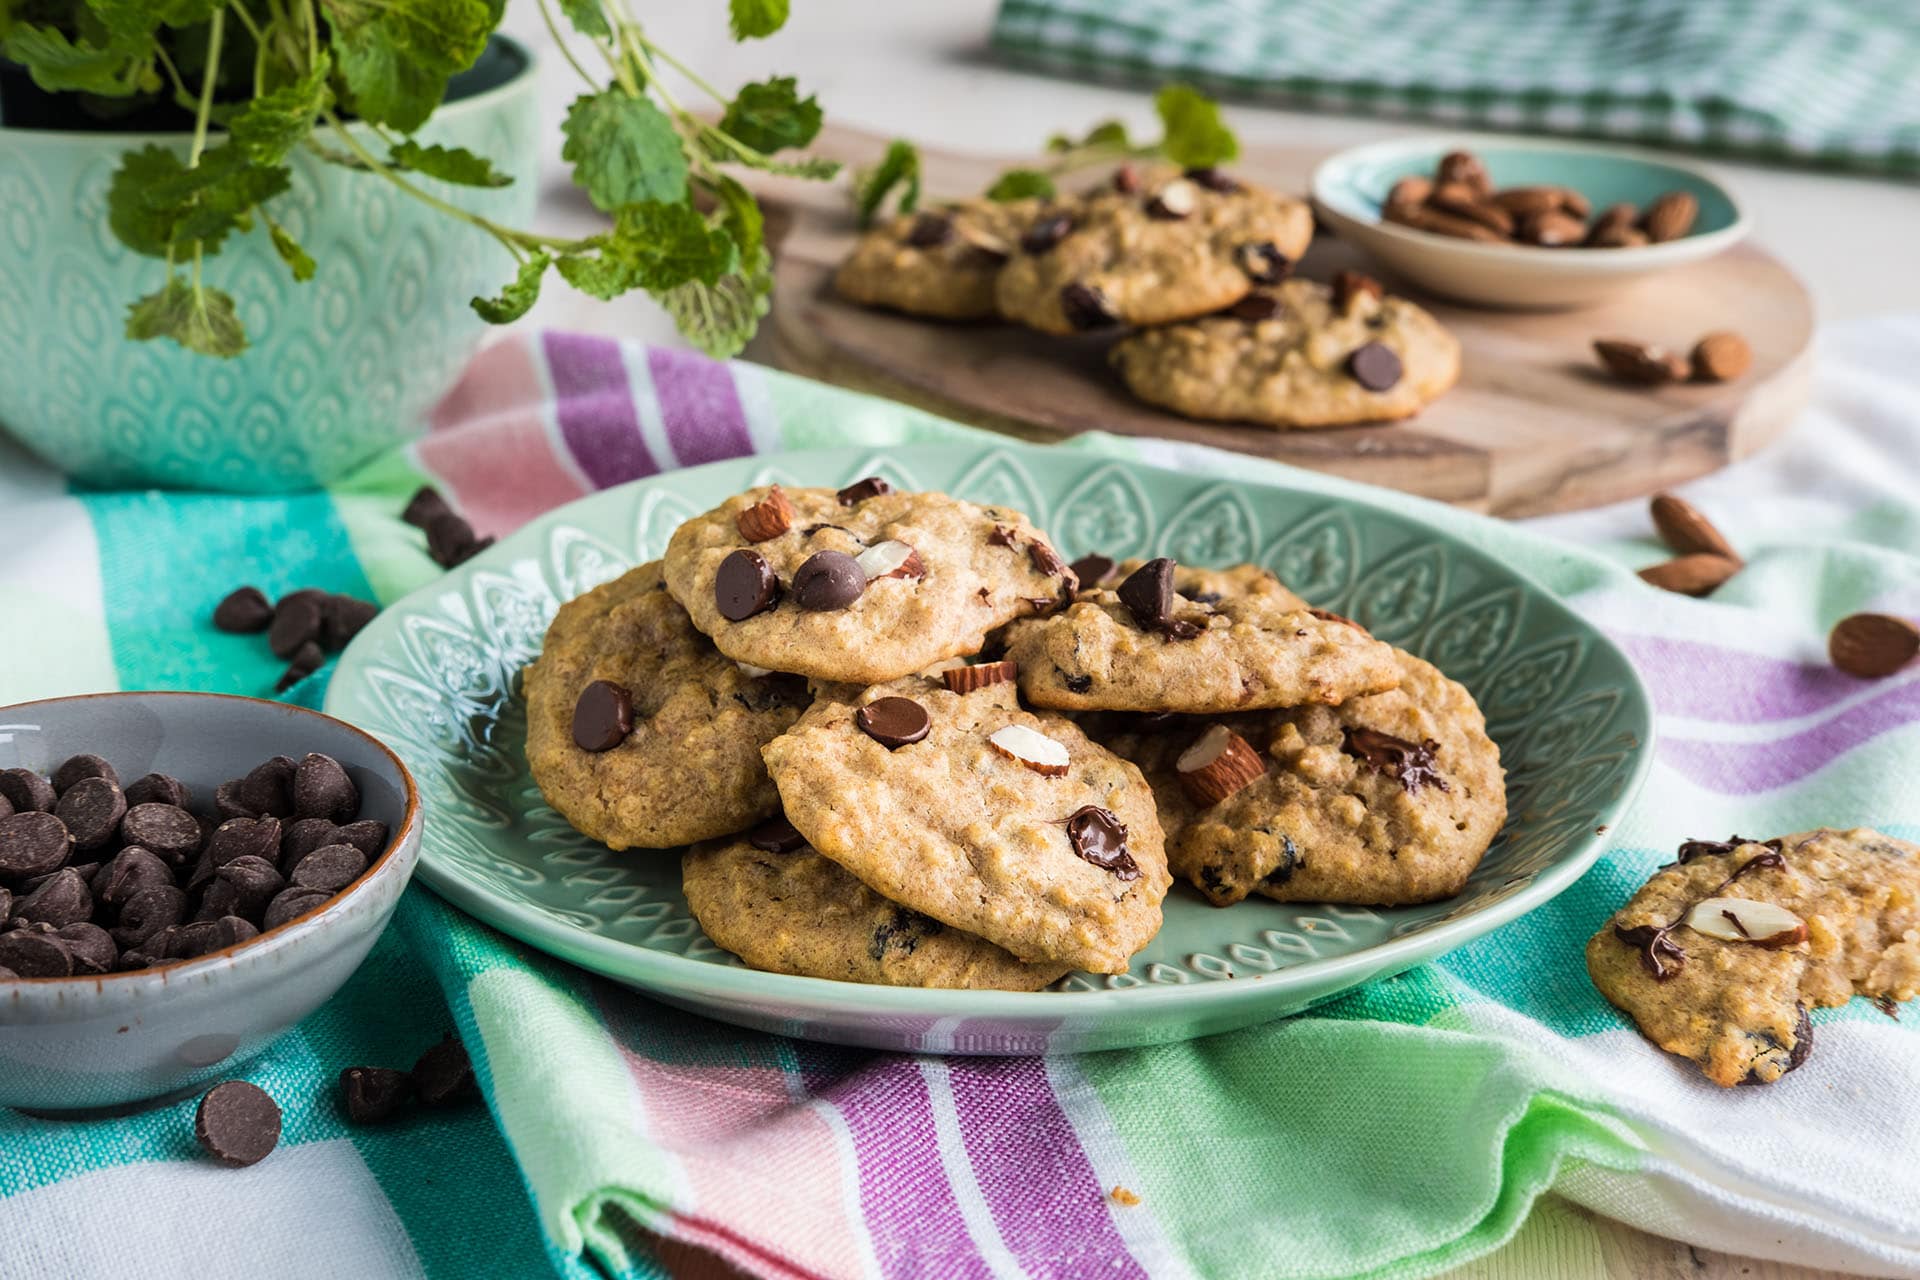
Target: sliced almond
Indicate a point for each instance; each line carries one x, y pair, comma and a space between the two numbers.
768, 518
965, 679
1721, 357
890, 559
1638, 363
984, 242
1694, 575
1682, 527
1350, 286
1218, 764
1747, 920
1031, 748
1670, 217
1871, 645
752, 672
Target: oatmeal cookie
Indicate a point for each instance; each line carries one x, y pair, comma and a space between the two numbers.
940, 262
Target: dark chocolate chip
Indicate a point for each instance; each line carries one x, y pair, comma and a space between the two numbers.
243, 838
303, 836
235, 930
369, 836
250, 884
1802, 1040
930, 229
901, 932
6, 807
1214, 180
1408, 763
61, 899
268, 788
78, 768
158, 788
893, 722
296, 620
322, 789
216, 898
292, 902
776, 835
603, 716
193, 940
1255, 307
828, 580
32, 844
859, 491
132, 871
1092, 568
1046, 560
341, 619
90, 946
370, 1095
1046, 232
1148, 593
451, 540
1086, 307
27, 791
237, 1123
330, 869
444, 1074
1076, 684
1100, 838
1703, 848
227, 803
1002, 537
1180, 629
744, 585
1261, 263
148, 912
307, 659
165, 829
246, 611
31, 954
91, 808
1374, 366
423, 506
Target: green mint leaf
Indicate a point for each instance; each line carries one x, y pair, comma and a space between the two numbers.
1196, 137
772, 116
899, 167
741, 216
624, 151
816, 168
208, 201
756, 19
299, 261
201, 320
449, 164
587, 17
58, 64
1019, 184
652, 246
517, 298
273, 124
720, 318
1108, 133
138, 225
397, 55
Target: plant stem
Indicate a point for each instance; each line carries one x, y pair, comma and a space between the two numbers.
553, 29
215, 32
173, 74
698, 83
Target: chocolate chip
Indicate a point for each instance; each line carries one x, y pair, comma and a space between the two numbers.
292, 902
158, 788
893, 722
6, 807
130, 872
342, 618
1148, 593
1703, 848
1002, 537
245, 611
451, 540
148, 912
776, 835
237, 1123
369, 836
226, 801
1214, 180
31, 954
858, 491
322, 789
1802, 1040
250, 884
1100, 838
243, 838
745, 585
27, 791
1374, 366
1091, 569
307, 659
603, 717
296, 621
901, 932
90, 946
423, 506
330, 869
267, 789
370, 1095
1261, 262
1086, 307
79, 768
930, 229
444, 1074
303, 836
61, 899
1046, 232
1076, 684
1255, 307
1046, 559
1180, 629
165, 829
32, 844
1409, 764
828, 580
191, 941
234, 930
91, 808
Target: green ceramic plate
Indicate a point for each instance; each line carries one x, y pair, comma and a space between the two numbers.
435, 675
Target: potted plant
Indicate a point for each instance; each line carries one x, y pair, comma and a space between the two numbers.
254, 238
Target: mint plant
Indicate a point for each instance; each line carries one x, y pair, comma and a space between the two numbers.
265, 79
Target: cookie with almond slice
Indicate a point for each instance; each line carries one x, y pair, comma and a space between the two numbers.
940, 262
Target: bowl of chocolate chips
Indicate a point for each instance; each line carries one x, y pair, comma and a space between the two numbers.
183, 877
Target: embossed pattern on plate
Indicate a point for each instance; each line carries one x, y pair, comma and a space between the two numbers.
436, 675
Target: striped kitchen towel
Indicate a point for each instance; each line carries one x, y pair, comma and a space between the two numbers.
1402, 1130
1826, 83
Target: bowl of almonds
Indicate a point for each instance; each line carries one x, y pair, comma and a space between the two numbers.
1524, 223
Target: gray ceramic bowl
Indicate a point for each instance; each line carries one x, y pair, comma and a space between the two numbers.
77, 1044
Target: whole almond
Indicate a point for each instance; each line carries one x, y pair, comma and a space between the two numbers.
1613, 220
1615, 238
979, 675
1691, 575
1425, 218
1872, 645
1670, 217
1552, 229
768, 518
1464, 166
1524, 200
1682, 527
1638, 363
1410, 192
1350, 286
1575, 203
1721, 357
1460, 200
1220, 763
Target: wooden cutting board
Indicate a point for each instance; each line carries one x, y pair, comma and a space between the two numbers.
1533, 427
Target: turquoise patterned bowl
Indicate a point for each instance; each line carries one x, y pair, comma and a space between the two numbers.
436, 676
340, 367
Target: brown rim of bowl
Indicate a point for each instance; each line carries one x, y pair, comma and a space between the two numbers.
407, 818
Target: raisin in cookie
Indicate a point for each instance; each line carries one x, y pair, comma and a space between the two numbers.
862, 585
687, 765
1718, 957
1144, 647
990, 819
1294, 356
940, 263
771, 900
1175, 247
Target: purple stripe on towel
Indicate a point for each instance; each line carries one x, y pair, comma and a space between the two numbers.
699, 407
593, 406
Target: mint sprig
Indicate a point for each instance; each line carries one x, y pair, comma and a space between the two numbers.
1192, 135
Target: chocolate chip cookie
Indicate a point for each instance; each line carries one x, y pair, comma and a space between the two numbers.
1175, 247
639, 732
1300, 354
992, 820
861, 585
1719, 956
1202, 586
1142, 646
771, 900
939, 262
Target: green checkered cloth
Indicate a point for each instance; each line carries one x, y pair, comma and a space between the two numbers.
1834, 83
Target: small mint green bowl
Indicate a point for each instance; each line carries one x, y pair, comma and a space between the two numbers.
341, 367
1351, 188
